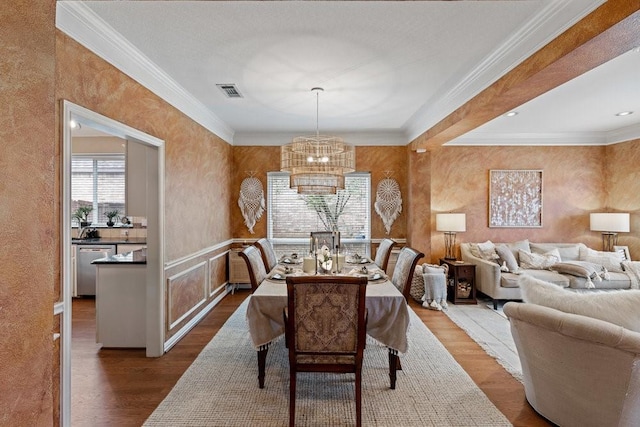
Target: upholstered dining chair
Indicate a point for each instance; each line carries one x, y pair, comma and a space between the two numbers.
268, 253
383, 253
402, 276
403, 273
255, 265
325, 324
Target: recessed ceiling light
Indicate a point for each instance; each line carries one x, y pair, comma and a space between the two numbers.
511, 114
624, 113
421, 150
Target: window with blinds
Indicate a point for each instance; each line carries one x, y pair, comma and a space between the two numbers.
292, 216
98, 181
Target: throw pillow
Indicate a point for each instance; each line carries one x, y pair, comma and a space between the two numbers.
580, 269
538, 261
612, 261
617, 307
520, 244
507, 257
486, 251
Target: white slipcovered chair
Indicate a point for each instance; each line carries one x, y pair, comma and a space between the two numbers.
577, 370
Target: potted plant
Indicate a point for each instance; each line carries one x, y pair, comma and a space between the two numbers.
111, 215
82, 215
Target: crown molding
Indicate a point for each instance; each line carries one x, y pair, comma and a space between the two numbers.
373, 138
512, 52
530, 139
624, 134
79, 22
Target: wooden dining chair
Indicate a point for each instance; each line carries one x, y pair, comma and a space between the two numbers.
384, 253
402, 276
325, 323
255, 265
403, 273
268, 253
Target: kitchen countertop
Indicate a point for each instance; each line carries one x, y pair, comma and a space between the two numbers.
110, 241
128, 258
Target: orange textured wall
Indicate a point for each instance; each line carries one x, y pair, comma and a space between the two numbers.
419, 202
29, 252
623, 190
257, 161
197, 162
573, 186
376, 160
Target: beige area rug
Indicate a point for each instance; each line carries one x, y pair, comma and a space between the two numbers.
491, 330
220, 388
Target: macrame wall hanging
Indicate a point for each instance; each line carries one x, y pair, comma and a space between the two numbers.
388, 200
251, 200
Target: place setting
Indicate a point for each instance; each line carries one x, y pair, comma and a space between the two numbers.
373, 275
357, 259
279, 274
292, 259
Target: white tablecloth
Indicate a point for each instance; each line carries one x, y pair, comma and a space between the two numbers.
387, 314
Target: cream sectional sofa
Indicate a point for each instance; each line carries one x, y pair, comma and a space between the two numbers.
576, 267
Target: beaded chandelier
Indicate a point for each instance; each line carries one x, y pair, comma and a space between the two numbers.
317, 163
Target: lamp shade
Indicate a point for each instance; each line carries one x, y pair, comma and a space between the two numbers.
451, 222
612, 222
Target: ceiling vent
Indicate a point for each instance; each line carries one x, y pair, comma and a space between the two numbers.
230, 90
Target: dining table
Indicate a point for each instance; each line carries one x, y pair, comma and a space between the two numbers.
387, 310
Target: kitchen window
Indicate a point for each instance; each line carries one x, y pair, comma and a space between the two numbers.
292, 216
98, 181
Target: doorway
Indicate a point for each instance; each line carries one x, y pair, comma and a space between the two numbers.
154, 206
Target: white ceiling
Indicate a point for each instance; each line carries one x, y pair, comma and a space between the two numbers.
390, 70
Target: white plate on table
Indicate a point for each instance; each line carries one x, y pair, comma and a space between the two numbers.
278, 276
376, 277
359, 261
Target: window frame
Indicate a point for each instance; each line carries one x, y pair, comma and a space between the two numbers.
95, 158
345, 242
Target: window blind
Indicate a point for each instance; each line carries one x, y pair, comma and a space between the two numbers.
98, 181
292, 216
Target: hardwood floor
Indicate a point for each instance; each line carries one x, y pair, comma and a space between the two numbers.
123, 387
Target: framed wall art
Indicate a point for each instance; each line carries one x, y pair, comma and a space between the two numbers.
515, 198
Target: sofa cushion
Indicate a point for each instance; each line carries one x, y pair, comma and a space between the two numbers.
617, 307
485, 250
612, 261
507, 257
568, 251
510, 280
530, 260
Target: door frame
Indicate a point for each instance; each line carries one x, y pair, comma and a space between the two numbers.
155, 240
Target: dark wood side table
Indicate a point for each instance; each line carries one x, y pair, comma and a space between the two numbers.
461, 281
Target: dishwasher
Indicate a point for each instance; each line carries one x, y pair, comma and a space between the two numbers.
86, 273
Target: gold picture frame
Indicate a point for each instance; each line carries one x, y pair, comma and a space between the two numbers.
515, 198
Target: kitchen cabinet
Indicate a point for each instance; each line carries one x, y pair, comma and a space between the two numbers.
121, 305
